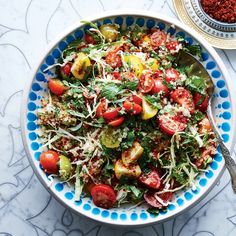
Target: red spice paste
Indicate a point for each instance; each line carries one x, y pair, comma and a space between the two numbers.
221, 10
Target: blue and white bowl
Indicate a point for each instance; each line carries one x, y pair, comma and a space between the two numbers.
223, 112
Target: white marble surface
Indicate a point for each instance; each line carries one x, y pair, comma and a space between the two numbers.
26, 208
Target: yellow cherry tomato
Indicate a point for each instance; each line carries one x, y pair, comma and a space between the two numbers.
152, 63
109, 31
148, 110
134, 63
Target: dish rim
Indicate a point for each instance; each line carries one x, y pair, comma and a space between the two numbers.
67, 31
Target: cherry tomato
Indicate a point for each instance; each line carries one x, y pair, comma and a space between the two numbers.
49, 161
137, 99
151, 179
111, 114
160, 87
88, 187
172, 46
204, 126
56, 86
103, 196
151, 200
183, 97
116, 75
114, 59
201, 101
146, 83
102, 107
89, 39
117, 122
66, 69
171, 125
171, 75
129, 76
158, 38
132, 107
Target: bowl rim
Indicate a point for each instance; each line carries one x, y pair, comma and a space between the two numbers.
67, 31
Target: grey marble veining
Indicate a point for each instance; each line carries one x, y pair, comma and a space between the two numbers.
26, 208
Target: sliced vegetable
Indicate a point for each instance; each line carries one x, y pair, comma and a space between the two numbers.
65, 168
148, 110
132, 154
111, 138
103, 196
109, 31
134, 63
201, 101
81, 66
151, 179
158, 38
132, 107
146, 83
117, 122
56, 87
111, 114
205, 126
159, 87
172, 75
133, 170
66, 70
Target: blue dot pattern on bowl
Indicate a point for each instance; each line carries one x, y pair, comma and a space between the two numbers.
39, 87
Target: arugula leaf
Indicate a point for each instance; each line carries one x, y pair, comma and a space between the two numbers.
196, 84
198, 116
131, 85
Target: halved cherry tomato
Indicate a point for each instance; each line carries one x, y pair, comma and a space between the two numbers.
172, 46
66, 69
151, 179
152, 201
116, 75
132, 107
89, 39
114, 59
103, 196
146, 83
171, 75
158, 38
117, 122
56, 87
183, 97
171, 125
137, 99
49, 161
201, 101
129, 76
159, 87
102, 107
111, 114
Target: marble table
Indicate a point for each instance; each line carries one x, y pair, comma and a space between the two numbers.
26, 208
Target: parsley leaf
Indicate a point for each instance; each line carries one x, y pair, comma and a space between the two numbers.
131, 85
110, 91
196, 84
128, 141
154, 100
195, 50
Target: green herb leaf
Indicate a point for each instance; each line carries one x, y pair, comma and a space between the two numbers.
154, 100
110, 91
194, 50
196, 84
153, 211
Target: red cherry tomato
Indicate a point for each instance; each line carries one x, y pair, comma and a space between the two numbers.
89, 39
132, 107
117, 122
114, 59
66, 69
129, 76
146, 83
171, 125
159, 87
103, 196
201, 101
204, 126
111, 114
56, 87
151, 179
152, 201
102, 107
137, 99
158, 38
183, 97
116, 75
172, 46
49, 161
171, 75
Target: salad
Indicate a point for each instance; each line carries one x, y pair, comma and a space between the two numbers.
124, 123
